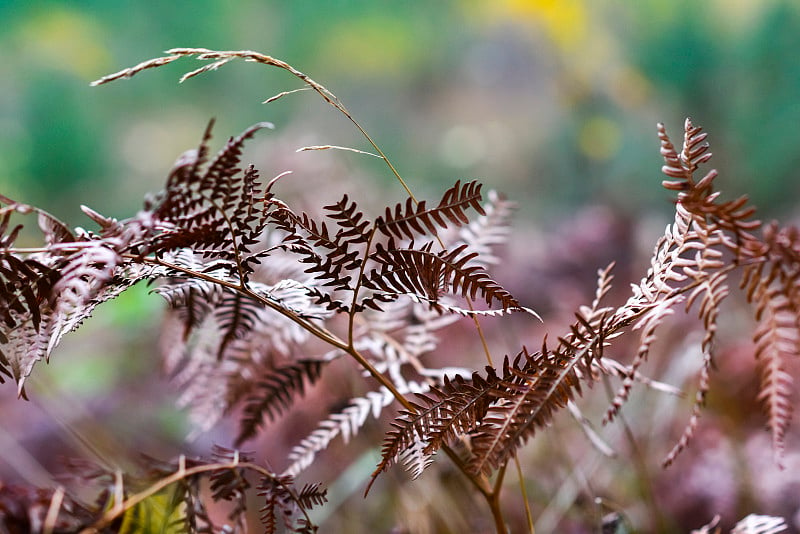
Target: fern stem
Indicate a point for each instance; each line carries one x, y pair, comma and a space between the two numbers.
234, 244
494, 500
492, 495
481, 334
498, 482
321, 333
381, 154
377, 375
357, 288
528, 515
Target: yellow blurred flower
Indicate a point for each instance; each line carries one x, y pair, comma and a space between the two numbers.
65, 40
564, 21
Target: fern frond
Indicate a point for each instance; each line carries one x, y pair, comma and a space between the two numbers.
714, 290
415, 459
698, 196
417, 219
275, 393
354, 228
694, 418
531, 390
487, 231
236, 315
444, 413
777, 339
281, 499
442, 305
418, 271
760, 524
311, 495
332, 258
346, 423
220, 211
49, 292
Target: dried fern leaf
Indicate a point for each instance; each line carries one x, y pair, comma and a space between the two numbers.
442, 415
346, 423
421, 272
531, 390
332, 258
760, 524
417, 219
275, 393
777, 339
487, 231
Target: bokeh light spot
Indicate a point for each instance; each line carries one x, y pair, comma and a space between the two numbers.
599, 138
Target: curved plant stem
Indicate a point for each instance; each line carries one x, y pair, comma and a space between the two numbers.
316, 330
494, 501
218, 59
524, 492
122, 506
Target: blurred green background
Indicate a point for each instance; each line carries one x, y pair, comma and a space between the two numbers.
552, 102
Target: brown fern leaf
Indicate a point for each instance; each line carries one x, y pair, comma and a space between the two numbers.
332, 258
25, 283
699, 198
777, 339
345, 423
236, 315
445, 413
771, 276
353, 227
280, 498
783, 251
420, 272
531, 390
275, 393
192, 300
229, 484
47, 293
688, 258
415, 220
312, 495
220, 212
683, 165
711, 288
714, 290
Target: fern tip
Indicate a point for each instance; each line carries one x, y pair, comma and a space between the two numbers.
531, 312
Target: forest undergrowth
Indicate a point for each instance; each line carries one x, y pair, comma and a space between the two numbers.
263, 299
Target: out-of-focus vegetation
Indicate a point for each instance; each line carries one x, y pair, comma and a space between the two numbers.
552, 103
